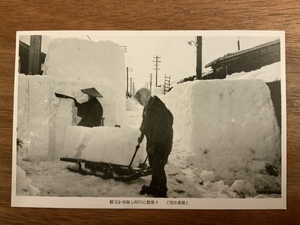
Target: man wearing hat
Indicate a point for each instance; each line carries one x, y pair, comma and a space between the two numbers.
157, 127
90, 111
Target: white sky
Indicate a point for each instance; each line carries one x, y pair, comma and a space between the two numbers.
177, 57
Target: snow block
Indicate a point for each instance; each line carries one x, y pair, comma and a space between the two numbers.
71, 65
33, 115
104, 144
83, 58
92, 64
226, 123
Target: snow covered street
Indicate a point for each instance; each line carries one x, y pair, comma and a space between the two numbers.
52, 178
227, 136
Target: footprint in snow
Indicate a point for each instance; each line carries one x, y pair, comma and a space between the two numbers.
179, 181
179, 191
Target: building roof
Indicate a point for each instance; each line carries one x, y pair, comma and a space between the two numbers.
236, 55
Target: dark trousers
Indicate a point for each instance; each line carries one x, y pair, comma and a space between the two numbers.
159, 178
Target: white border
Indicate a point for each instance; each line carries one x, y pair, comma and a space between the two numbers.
159, 203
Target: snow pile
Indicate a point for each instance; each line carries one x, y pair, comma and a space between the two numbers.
158, 91
269, 73
243, 188
131, 105
219, 190
207, 175
226, 124
104, 144
71, 65
24, 186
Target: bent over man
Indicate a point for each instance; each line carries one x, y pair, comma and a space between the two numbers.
157, 127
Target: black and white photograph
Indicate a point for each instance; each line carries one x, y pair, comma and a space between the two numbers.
149, 119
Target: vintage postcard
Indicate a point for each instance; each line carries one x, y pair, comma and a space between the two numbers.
150, 120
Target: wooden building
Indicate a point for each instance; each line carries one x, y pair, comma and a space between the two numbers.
244, 60
24, 52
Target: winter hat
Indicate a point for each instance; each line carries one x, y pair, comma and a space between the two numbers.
92, 92
142, 96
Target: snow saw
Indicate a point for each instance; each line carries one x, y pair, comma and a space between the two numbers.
109, 170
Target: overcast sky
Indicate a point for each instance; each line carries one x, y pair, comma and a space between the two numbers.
177, 57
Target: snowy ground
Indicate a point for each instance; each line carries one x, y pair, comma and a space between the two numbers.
52, 178
240, 127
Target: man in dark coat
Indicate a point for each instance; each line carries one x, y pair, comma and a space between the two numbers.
157, 127
90, 111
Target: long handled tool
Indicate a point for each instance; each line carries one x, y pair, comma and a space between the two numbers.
136, 149
65, 96
140, 139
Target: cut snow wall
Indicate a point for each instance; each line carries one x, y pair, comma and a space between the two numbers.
227, 124
92, 64
71, 65
104, 144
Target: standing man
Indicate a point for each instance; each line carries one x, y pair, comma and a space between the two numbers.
90, 111
157, 127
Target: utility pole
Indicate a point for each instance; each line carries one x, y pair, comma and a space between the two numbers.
156, 67
199, 58
130, 86
133, 88
128, 69
150, 82
127, 94
34, 65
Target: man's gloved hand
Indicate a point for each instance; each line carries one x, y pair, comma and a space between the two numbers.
150, 150
140, 139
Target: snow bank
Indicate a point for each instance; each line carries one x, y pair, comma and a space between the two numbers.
131, 105
24, 186
269, 73
104, 144
71, 65
158, 91
226, 124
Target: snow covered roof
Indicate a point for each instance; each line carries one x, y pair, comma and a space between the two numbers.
236, 55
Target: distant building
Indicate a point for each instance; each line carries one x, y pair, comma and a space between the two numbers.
24, 58
244, 60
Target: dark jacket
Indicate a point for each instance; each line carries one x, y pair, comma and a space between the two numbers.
91, 113
157, 127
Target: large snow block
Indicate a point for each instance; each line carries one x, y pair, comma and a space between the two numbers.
104, 144
91, 64
71, 65
33, 115
79, 58
227, 124
42, 117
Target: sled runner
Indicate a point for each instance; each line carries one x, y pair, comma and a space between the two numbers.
109, 170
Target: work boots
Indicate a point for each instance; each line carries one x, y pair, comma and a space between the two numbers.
161, 192
146, 190
155, 192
